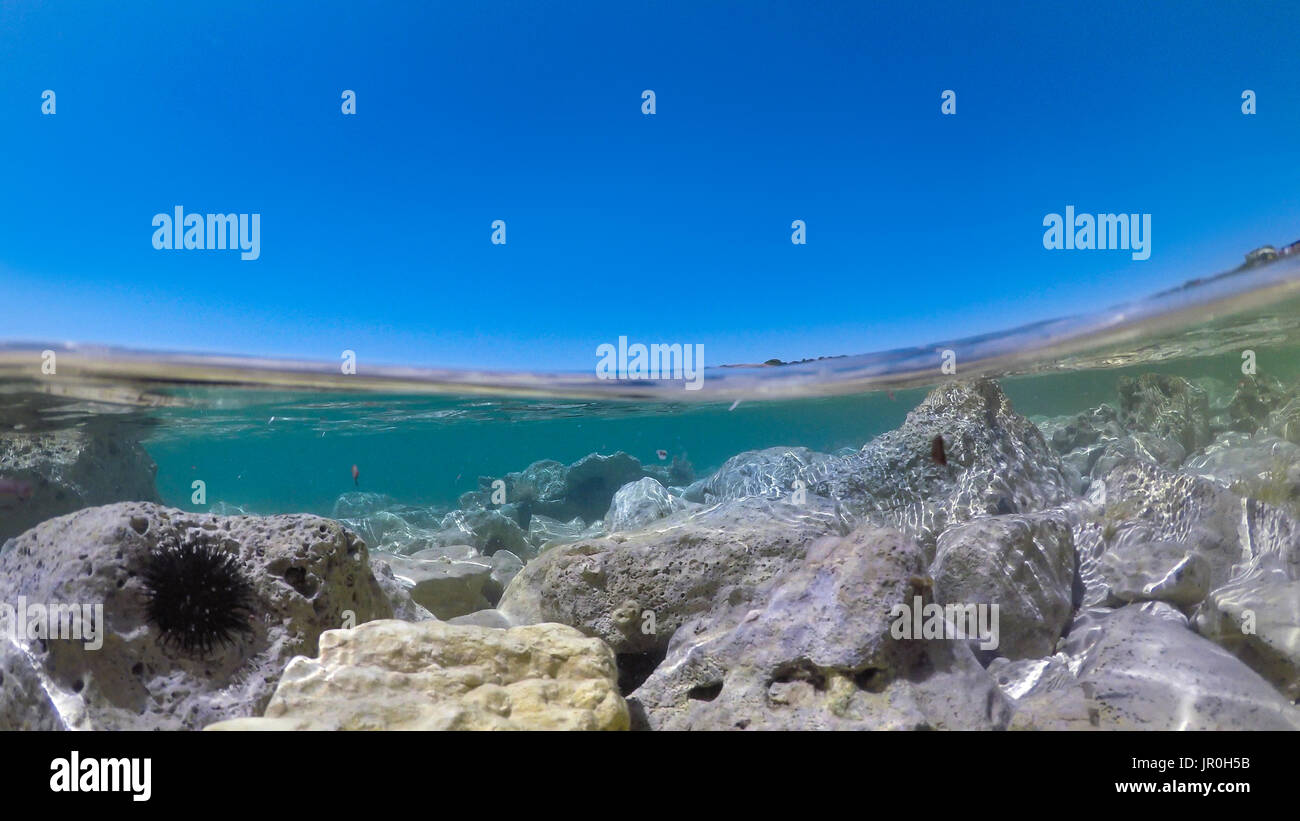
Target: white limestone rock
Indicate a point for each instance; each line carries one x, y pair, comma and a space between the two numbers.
394, 675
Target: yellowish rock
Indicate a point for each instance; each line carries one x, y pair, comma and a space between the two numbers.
397, 675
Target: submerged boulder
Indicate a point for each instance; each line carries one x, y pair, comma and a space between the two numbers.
1023, 563
1046, 694
1255, 398
1256, 616
1256, 613
444, 586
484, 618
542, 530
679, 473
1167, 406
996, 462
398, 592
1285, 421
1139, 503
548, 488
1259, 465
505, 566
70, 469
1091, 444
538, 488
1083, 430
592, 481
300, 576
357, 504
393, 675
641, 503
389, 527
1148, 671
1147, 447
606, 586
771, 472
1232, 563
487, 531
818, 648
1135, 570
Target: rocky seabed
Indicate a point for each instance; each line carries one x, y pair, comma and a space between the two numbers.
1143, 556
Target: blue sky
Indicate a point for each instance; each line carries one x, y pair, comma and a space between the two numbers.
673, 227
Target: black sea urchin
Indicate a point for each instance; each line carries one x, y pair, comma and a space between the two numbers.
197, 596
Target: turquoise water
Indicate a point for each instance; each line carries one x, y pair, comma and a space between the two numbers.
302, 461
270, 437
428, 451
420, 438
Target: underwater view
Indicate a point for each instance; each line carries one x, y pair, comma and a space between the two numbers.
607, 369
882, 547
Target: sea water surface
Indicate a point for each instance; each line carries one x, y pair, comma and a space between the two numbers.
272, 437
269, 436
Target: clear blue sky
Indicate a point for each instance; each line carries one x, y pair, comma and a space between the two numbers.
676, 227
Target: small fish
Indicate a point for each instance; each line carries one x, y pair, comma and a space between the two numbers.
937, 454
16, 487
662, 454
356, 476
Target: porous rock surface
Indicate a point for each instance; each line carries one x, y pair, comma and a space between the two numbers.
308, 575
605, 586
817, 649
393, 675
24, 702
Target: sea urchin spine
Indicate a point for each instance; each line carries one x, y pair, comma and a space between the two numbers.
197, 596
